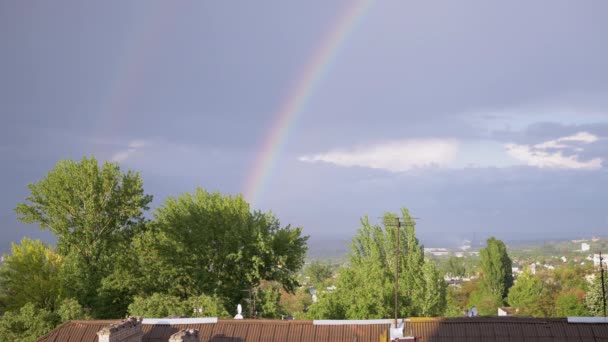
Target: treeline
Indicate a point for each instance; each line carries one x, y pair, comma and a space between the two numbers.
365, 288
199, 254
561, 292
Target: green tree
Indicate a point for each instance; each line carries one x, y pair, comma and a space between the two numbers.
30, 274
318, 272
455, 267
568, 304
26, 324
527, 295
160, 305
435, 288
207, 306
296, 304
270, 302
69, 310
496, 273
208, 243
593, 299
366, 288
94, 212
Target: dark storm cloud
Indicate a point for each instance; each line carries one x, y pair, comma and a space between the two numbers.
187, 92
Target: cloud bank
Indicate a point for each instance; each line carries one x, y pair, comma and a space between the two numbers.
394, 156
554, 153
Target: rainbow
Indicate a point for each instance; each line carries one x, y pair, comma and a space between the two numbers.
301, 92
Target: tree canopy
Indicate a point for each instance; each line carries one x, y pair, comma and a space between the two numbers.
212, 244
496, 269
365, 289
594, 300
528, 295
94, 212
30, 274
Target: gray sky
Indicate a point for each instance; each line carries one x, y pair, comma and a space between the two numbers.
481, 117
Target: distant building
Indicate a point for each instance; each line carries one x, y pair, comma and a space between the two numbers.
437, 251
596, 260
507, 311
564, 259
585, 247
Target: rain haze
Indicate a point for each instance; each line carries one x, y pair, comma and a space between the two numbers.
484, 118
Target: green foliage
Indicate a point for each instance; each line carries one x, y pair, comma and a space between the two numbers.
329, 305
26, 324
528, 294
458, 298
207, 306
455, 267
318, 272
94, 212
486, 304
30, 274
366, 288
568, 304
212, 244
434, 302
496, 274
161, 305
297, 303
594, 299
269, 305
69, 309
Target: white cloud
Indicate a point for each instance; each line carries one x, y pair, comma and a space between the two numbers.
394, 156
539, 156
133, 147
580, 137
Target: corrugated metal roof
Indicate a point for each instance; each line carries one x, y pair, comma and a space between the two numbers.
473, 329
230, 330
504, 329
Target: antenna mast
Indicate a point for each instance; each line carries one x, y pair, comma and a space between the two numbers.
603, 284
397, 273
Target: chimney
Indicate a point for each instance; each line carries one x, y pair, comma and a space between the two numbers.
128, 330
185, 335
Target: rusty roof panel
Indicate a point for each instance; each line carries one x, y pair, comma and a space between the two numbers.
459, 329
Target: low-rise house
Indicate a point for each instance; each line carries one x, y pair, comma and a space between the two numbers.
507, 311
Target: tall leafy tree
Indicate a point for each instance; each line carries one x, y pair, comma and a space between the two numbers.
208, 243
496, 270
94, 212
30, 274
594, 300
366, 288
528, 294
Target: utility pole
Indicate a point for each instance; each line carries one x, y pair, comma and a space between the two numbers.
603, 284
397, 273
397, 256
